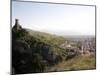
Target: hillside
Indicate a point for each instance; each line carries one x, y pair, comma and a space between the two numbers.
46, 37
38, 48
36, 52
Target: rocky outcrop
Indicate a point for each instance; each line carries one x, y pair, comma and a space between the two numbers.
17, 26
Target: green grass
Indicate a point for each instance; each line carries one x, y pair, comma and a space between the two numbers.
77, 63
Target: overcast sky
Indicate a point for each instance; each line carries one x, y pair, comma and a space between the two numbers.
55, 18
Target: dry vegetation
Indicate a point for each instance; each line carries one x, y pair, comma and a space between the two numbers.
82, 62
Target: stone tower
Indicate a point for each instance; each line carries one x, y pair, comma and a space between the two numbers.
17, 26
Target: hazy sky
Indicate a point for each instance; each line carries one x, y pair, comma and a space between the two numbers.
55, 18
